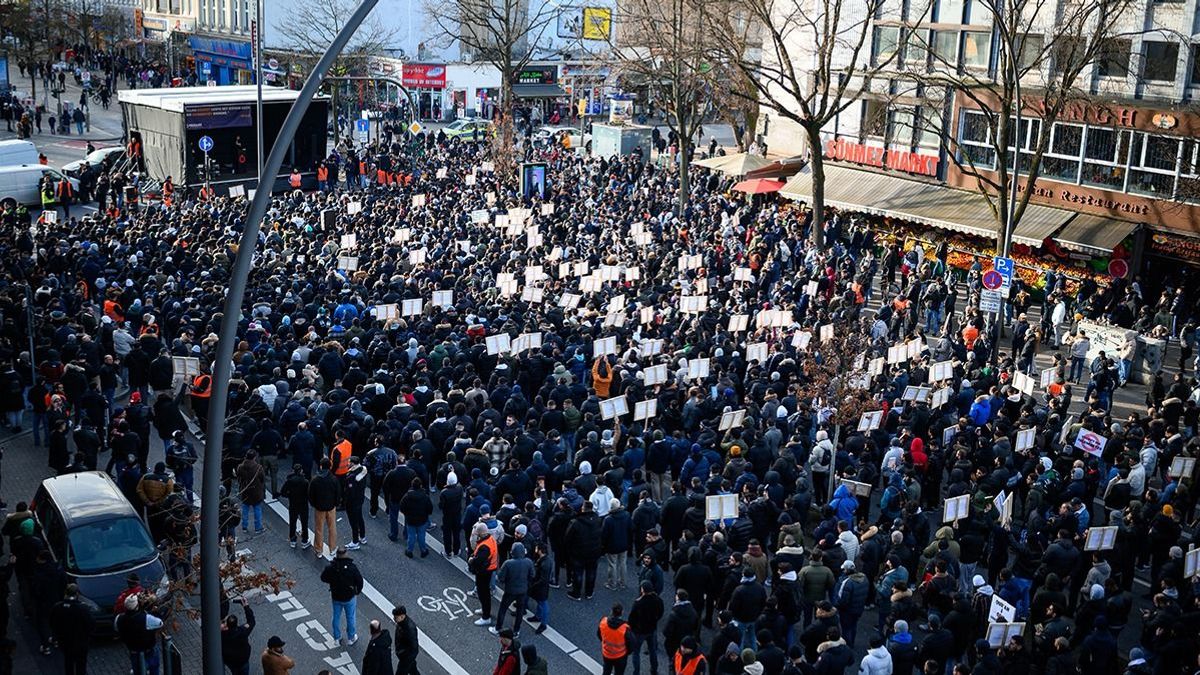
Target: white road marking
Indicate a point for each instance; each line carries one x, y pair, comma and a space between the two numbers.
427, 643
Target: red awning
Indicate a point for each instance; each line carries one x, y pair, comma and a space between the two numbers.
758, 186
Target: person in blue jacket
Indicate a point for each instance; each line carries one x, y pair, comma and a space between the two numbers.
844, 503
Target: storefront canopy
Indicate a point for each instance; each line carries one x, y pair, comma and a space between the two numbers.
928, 203
538, 91
1094, 234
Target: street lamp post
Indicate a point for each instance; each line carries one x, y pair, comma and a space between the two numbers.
210, 549
1004, 241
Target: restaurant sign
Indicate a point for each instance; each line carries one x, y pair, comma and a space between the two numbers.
867, 155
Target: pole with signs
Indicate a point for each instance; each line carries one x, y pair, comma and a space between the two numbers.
206, 144
256, 37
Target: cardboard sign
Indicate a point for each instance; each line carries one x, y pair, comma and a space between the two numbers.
1090, 442
240, 191
855, 487
956, 508
581, 268
1100, 538
731, 420
443, 298
697, 369
870, 420
1049, 375
442, 173
417, 257
643, 239
1182, 467
646, 315
633, 274
509, 288
756, 352
469, 180
942, 370
418, 200
920, 394
826, 332
897, 354
569, 300
940, 398
948, 435
1024, 383
691, 262
999, 634
412, 307
810, 289
614, 407
353, 208
693, 304
1025, 439
347, 262
480, 217
402, 235
1191, 563
644, 410
498, 344
348, 241
1004, 504
387, 312
720, 507
738, 323
743, 274
875, 366
655, 375
650, 347
527, 341
548, 209
801, 339
533, 295
604, 346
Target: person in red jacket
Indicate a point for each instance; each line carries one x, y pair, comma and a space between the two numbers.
507, 663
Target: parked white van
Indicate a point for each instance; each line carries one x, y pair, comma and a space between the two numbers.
19, 184
13, 152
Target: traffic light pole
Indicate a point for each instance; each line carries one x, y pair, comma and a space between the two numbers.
210, 549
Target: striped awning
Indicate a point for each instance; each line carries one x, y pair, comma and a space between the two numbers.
1097, 235
919, 201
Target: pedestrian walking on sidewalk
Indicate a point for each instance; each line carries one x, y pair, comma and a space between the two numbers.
345, 583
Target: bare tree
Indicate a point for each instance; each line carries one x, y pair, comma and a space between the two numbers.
505, 34
814, 62
1049, 73
308, 28
662, 45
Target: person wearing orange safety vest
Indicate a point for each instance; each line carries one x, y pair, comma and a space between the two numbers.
614, 641
168, 191
483, 563
339, 455
201, 391
65, 192
688, 659
294, 179
322, 177
206, 193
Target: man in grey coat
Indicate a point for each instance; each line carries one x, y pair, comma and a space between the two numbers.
514, 579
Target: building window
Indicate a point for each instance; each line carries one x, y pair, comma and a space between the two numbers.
1029, 50
1105, 154
1196, 64
945, 47
977, 48
900, 127
916, 47
874, 119
975, 141
950, 11
885, 44
1162, 59
1068, 53
1114, 58
927, 135
980, 13
1152, 163
1189, 173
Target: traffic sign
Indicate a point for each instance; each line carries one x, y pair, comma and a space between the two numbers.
415, 128
1006, 267
992, 280
206, 143
989, 300
363, 127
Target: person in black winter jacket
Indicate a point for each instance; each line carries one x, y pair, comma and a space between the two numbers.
345, 583
746, 603
406, 642
682, 621
450, 503
583, 543
295, 491
71, 624
417, 507
644, 616
235, 641
378, 659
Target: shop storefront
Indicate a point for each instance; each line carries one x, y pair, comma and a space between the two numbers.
222, 61
426, 82
587, 81
1123, 168
536, 87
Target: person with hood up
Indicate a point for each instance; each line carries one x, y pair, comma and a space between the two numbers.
878, 661
902, 648
820, 461
602, 498
614, 641
515, 578
616, 531
981, 599
844, 503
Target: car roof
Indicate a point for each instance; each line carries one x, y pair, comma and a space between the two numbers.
86, 497
13, 168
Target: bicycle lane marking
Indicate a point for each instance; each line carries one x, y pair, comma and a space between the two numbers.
433, 649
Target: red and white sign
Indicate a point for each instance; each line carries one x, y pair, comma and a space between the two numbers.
992, 280
424, 75
1090, 442
869, 155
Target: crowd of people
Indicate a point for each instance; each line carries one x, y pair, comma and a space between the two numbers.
564, 385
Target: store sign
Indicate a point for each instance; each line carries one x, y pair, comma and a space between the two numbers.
1174, 246
897, 160
537, 75
424, 75
1092, 114
1081, 197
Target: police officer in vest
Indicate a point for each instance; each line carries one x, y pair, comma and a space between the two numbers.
614, 641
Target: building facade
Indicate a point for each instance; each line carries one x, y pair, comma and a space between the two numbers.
1120, 179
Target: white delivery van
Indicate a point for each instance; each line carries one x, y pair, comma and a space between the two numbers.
13, 152
19, 184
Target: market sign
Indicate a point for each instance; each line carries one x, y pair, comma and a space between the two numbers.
867, 155
223, 116
423, 75
537, 75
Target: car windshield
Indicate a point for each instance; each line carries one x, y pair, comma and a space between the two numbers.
108, 545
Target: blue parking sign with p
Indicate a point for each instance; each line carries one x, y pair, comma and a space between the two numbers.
1006, 268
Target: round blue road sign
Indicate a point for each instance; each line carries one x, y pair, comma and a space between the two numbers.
206, 143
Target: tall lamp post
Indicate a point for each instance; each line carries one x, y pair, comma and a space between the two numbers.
210, 550
1005, 236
